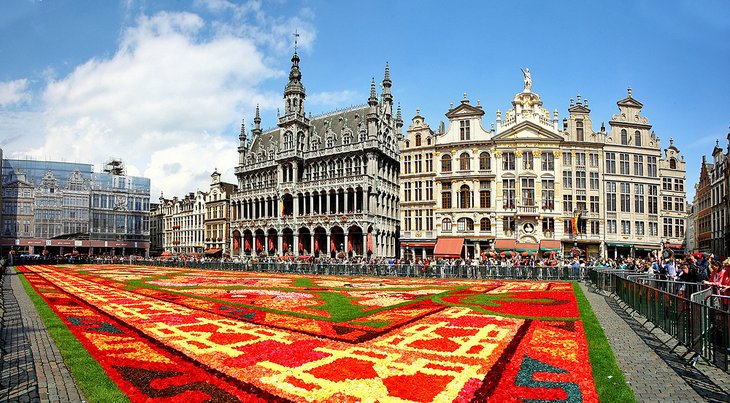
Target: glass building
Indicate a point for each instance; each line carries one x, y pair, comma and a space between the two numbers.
52, 207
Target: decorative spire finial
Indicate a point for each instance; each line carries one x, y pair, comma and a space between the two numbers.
296, 40
629, 89
372, 100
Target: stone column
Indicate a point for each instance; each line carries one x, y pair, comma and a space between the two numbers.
295, 247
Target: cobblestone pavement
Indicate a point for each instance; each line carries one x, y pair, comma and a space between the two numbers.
653, 368
32, 367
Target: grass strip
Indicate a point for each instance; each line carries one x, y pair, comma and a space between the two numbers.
89, 375
610, 383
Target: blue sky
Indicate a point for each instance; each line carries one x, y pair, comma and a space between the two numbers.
164, 84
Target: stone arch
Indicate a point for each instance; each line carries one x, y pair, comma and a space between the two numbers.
319, 238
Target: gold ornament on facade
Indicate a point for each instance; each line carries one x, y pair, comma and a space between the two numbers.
557, 154
497, 154
519, 153
537, 153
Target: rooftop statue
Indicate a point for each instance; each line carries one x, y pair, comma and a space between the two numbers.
528, 78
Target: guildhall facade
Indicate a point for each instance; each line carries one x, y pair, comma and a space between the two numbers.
531, 183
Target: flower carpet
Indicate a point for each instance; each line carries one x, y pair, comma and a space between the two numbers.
176, 334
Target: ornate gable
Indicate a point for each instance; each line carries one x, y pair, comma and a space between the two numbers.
464, 110
528, 130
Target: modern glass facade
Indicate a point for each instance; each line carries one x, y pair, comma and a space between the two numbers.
54, 207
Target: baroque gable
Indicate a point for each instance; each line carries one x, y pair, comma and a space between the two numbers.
527, 130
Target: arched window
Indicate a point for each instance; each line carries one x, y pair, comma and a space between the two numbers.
672, 163
465, 225
485, 225
288, 141
624, 137
339, 168
348, 167
464, 196
357, 165
408, 144
637, 138
485, 162
446, 163
418, 140
428, 140
446, 225
464, 162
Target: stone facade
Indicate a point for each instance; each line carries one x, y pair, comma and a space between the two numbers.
528, 183
323, 186
183, 226
712, 201
217, 219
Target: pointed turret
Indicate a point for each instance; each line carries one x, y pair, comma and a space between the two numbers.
373, 100
257, 122
398, 122
242, 135
387, 96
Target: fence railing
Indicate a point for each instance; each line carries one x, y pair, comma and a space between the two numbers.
689, 312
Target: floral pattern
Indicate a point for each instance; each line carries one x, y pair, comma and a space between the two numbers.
228, 336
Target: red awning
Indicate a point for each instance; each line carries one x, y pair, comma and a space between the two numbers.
505, 244
527, 247
550, 245
448, 247
166, 254
212, 251
674, 245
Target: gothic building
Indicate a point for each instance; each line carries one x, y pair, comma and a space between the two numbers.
529, 184
323, 186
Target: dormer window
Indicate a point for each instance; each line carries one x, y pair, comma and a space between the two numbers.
579, 130
624, 137
637, 138
418, 140
464, 130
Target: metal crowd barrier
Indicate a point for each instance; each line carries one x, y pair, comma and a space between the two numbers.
679, 309
384, 269
445, 271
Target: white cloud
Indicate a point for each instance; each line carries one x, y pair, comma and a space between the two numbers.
14, 92
154, 101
